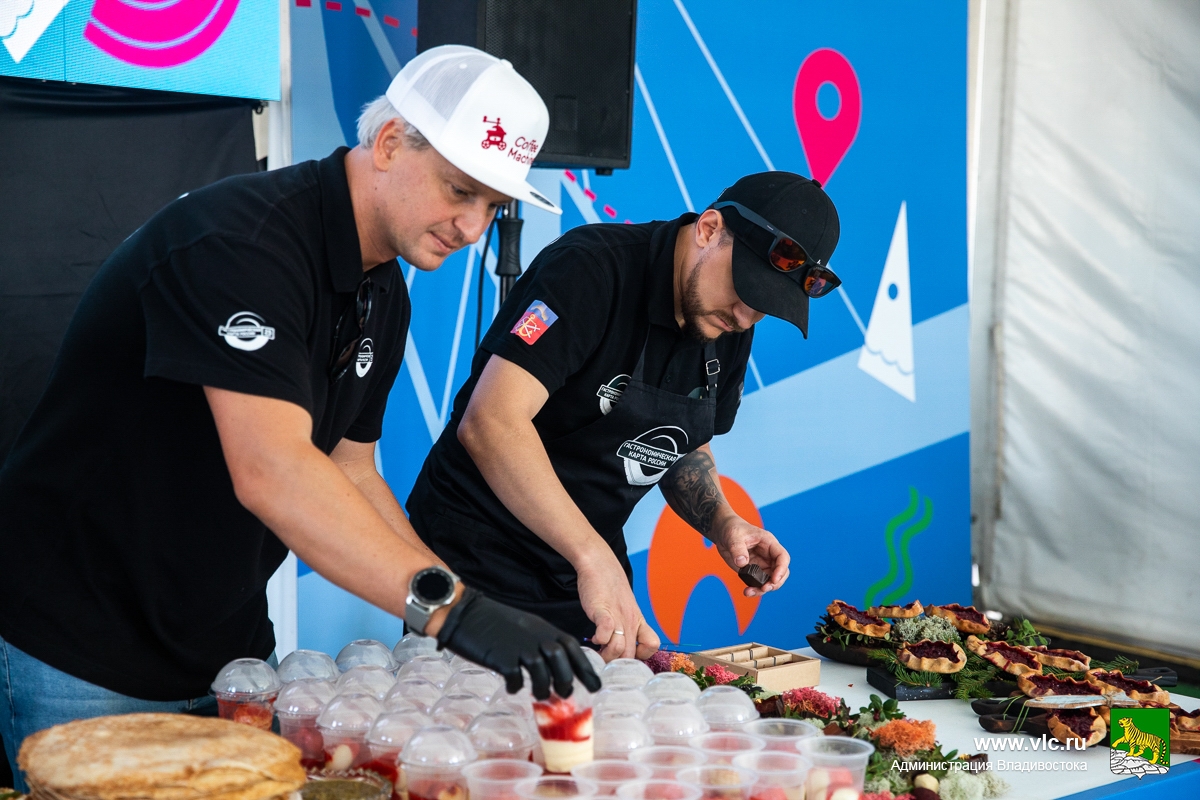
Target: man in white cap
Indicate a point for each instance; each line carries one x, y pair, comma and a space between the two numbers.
216, 402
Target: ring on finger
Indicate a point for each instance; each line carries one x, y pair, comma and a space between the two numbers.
618, 633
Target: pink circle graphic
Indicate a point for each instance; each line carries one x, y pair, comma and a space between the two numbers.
826, 141
165, 33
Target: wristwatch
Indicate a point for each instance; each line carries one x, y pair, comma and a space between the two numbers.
430, 589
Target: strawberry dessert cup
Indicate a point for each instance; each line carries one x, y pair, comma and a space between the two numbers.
556, 787
343, 726
387, 737
778, 776
656, 789
620, 733
723, 746
496, 779
783, 735
608, 774
719, 782
298, 706
565, 730
245, 690
666, 760
502, 733
432, 764
839, 766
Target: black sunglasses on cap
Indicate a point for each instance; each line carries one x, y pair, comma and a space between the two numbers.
339, 362
780, 250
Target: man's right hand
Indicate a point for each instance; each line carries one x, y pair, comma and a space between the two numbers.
505, 639
607, 599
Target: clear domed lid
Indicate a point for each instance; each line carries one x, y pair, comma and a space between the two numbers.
457, 662
674, 721
458, 709
622, 697
438, 746
394, 729
395, 702
626, 672
353, 712
726, 707
430, 667
671, 684
365, 652
519, 704
249, 678
500, 731
418, 690
307, 664
304, 698
376, 681
619, 733
478, 681
413, 645
595, 659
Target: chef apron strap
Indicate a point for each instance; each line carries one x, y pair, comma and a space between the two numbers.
712, 367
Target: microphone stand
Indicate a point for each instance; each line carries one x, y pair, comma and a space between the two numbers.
508, 264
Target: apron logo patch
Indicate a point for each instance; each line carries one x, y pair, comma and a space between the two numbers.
366, 357
537, 320
245, 331
610, 393
648, 457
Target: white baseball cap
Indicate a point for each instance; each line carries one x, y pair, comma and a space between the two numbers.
478, 113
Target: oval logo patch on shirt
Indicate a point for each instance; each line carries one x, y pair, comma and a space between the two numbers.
536, 320
366, 357
245, 331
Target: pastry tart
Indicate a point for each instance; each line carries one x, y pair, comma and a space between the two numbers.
1069, 660
930, 656
1185, 720
967, 619
1034, 684
913, 609
857, 621
1081, 725
1115, 681
1010, 658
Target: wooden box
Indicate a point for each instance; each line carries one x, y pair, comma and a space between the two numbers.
771, 668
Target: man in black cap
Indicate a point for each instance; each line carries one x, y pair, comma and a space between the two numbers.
619, 354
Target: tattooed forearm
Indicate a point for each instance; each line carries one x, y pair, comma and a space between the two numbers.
693, 490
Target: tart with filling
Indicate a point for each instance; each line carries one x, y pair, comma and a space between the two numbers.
1010, 658
967, 619
1069, 660
1037, 685
1185, 720
1081, 725
930, 656
857, 621
913, 609
1115, 681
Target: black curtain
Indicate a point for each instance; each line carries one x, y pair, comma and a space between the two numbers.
81, 167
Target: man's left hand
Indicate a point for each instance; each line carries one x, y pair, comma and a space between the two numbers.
741, 543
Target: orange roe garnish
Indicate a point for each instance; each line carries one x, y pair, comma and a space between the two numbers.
907, 736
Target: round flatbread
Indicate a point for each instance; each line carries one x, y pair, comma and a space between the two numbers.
160, 757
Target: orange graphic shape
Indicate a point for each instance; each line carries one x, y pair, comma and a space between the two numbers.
679, 559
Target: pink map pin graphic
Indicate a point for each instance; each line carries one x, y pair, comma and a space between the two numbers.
158, 35
826, 141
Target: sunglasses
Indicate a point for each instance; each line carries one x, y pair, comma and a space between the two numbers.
781, 251
339, 364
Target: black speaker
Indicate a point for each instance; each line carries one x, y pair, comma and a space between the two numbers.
578, 54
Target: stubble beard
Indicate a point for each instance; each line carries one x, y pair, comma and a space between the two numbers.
693, 307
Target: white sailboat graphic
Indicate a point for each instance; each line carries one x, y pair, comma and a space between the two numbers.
887, 354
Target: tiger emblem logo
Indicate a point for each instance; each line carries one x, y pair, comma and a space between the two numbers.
1139, 742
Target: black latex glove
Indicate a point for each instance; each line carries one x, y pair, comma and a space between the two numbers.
504, 639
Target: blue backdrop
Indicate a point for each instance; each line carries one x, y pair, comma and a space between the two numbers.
852, 445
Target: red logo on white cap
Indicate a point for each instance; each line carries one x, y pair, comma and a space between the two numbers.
494, 136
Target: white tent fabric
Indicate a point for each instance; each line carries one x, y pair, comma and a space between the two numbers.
1091, 320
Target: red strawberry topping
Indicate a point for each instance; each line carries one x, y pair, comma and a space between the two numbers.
559, 720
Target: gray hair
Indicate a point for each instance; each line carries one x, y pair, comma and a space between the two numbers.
378, 113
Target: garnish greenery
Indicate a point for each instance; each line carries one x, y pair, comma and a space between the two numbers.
903, 674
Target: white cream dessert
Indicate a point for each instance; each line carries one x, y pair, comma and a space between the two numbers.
565, 732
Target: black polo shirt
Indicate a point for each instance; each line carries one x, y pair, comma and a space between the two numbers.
610, 291
128, 560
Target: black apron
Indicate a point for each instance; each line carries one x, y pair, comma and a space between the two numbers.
606, 467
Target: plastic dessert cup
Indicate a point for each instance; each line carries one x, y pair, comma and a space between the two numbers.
719, 782
778, 776
722, 747
433, 762
496, 779
608, 774
364, 653
430, 667
565, 730
302, 665
783, 735
412, 645
499, 733
726, 708
655, 789
595, 659
674, 721
671, 684
478, 681
622, 697
666, 760
458, 709
838, 763
343, 726
625, 672
246, 689
298, 706
556, 787
372, 680
420, 691
618, 734
387, 737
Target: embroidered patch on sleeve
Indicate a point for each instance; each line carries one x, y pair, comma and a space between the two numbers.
536, 320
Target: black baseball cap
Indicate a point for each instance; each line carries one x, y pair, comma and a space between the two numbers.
799, 208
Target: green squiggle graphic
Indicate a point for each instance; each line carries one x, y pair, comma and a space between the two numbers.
916, 528
894, 523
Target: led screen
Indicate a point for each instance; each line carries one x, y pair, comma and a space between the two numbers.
221, 47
